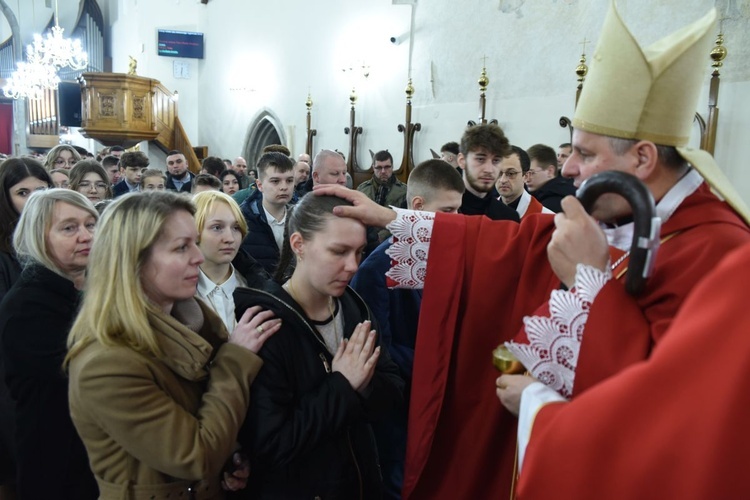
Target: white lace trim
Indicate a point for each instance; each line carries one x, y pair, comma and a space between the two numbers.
412, 231
555, 341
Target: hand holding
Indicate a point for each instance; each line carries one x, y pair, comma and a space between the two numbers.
357, 357
509, 389
254, 328
577, 239
236, 472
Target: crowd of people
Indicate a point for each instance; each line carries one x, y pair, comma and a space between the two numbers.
270, 333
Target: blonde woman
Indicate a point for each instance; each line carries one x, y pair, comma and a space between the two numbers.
157, 393
221, 229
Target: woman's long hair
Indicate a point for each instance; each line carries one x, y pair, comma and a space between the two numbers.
49, 161
13, 171
115, 307
308, 216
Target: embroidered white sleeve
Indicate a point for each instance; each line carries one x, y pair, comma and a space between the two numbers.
411, 232
554, 342
532, 399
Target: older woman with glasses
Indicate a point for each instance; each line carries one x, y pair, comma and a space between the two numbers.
53, 240
61, 156
90, 179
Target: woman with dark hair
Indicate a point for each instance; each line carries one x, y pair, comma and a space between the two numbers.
324, 377
89, 178
53, 239
19, 178
230, 182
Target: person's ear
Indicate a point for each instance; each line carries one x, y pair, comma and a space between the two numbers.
259, 185
417, 203
646, 155
461, 160
297, 242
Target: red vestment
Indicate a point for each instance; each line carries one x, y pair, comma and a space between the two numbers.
666, 427
482, 278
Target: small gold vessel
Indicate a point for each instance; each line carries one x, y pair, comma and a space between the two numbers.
504, 360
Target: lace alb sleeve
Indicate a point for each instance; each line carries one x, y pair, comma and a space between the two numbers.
411, 232
555, 341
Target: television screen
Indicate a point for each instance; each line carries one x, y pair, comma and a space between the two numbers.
180, 44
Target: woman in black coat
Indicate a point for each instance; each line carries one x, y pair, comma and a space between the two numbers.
52, 240
324, 377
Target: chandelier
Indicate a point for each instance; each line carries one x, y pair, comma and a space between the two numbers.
31, 79
44, 58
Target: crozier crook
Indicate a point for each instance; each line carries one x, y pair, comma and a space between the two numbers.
646, 223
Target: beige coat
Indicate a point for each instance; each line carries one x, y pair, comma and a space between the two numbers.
163, 428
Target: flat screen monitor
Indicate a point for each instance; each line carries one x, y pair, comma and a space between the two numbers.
180, 44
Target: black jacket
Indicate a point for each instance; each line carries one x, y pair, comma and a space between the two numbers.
489, 206
553, 191
259, 243
35, 318
307, 431
186, 187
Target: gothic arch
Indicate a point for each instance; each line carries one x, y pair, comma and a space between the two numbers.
263, 130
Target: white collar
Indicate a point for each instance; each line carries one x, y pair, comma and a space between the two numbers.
206, 286
622, 236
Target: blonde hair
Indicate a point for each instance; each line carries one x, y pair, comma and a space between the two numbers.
115, 307
49, 161
204, 204
30, 236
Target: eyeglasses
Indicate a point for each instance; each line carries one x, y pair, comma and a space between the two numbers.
60, 162
510, 174
98, 185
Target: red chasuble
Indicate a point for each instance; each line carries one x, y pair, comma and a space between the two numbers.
482, 278
672, 426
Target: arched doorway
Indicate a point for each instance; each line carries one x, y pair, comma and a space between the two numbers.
264, 129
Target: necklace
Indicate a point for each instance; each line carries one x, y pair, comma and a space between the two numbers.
331, 309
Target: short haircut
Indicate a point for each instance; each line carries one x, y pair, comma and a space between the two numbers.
667, 155
432, 176
84, 167
66, 173
544, 155
565, 145
13, 171
489, 137
321, 158
207, 180
523, 158
30, 237
213, 165
277, 148
115, 308
279, 161
451, 147
175, 152
134, 159
204, 203
382, 156
81, 151
152, 172
110, 160
116, 148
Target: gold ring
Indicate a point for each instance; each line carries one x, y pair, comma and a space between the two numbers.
259, 328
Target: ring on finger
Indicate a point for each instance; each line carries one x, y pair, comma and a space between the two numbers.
259, 328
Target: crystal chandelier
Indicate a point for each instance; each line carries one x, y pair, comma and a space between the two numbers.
57, 51
43, 59
31, 79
